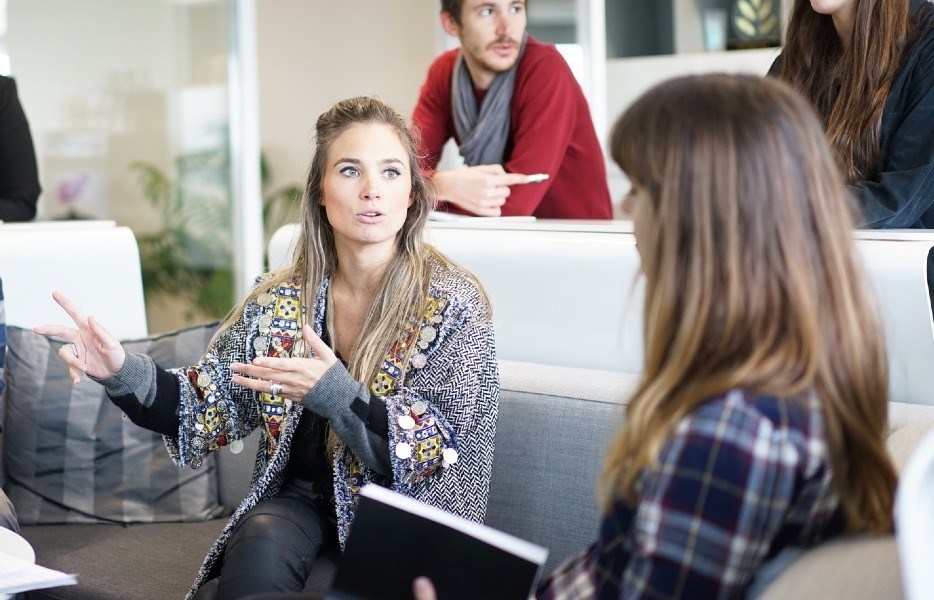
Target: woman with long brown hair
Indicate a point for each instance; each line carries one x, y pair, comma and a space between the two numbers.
369, 359
759, 421
867, 66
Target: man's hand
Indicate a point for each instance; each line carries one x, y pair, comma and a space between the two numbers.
481, 190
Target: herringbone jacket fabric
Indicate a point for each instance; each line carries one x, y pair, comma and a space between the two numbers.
453, 385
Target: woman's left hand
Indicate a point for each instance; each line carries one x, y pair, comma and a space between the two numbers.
294, 377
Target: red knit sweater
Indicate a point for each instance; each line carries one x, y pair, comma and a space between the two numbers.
550, 132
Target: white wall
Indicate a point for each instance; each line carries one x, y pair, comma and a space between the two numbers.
628, 78
314, 53
107, 82
60, 46
90, 87
112, 68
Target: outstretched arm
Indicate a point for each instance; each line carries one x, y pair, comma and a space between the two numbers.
93, 350
147, 394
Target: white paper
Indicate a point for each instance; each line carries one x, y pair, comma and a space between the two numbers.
18, 575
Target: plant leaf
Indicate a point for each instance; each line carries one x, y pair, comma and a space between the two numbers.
747, 11
765, 10
744, 26
769, 25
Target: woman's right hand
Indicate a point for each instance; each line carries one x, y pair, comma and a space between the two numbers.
423, 589
92, 351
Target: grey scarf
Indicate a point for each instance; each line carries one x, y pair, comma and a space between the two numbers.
483, 131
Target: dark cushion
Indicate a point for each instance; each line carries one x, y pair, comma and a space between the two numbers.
72, 457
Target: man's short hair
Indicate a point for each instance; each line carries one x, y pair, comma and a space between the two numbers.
454, 7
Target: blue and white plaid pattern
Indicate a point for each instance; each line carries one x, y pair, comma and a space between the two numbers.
742, 475
2, 338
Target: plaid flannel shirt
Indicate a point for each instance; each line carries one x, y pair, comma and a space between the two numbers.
740, 478
2, 337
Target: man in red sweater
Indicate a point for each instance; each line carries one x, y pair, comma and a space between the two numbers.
517, 113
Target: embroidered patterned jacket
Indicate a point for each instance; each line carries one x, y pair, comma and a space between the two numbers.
440, 409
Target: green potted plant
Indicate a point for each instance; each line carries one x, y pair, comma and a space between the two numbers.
189, 257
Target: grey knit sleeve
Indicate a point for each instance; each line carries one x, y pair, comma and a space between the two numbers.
356, 416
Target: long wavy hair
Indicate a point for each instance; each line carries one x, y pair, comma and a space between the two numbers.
849, 85
751, 278
402, 294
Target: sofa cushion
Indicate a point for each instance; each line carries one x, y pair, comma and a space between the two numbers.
859, 567
72, 457
908, 424
551, 436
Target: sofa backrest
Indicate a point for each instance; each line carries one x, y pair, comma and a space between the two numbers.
585, 275
95, 263
554, 426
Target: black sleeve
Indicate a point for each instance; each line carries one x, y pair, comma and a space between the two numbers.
776, 66
373, 413
162, 415
19, 176
358, 417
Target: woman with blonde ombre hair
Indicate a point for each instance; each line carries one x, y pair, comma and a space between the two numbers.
369, 359
757, 428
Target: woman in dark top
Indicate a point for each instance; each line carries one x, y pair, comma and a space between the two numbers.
19, 178
868, 68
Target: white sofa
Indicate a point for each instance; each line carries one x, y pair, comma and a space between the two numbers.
95, 263
569, 293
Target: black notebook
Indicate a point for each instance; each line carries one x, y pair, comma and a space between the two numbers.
395, 539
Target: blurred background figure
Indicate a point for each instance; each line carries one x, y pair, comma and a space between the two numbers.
19, 176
